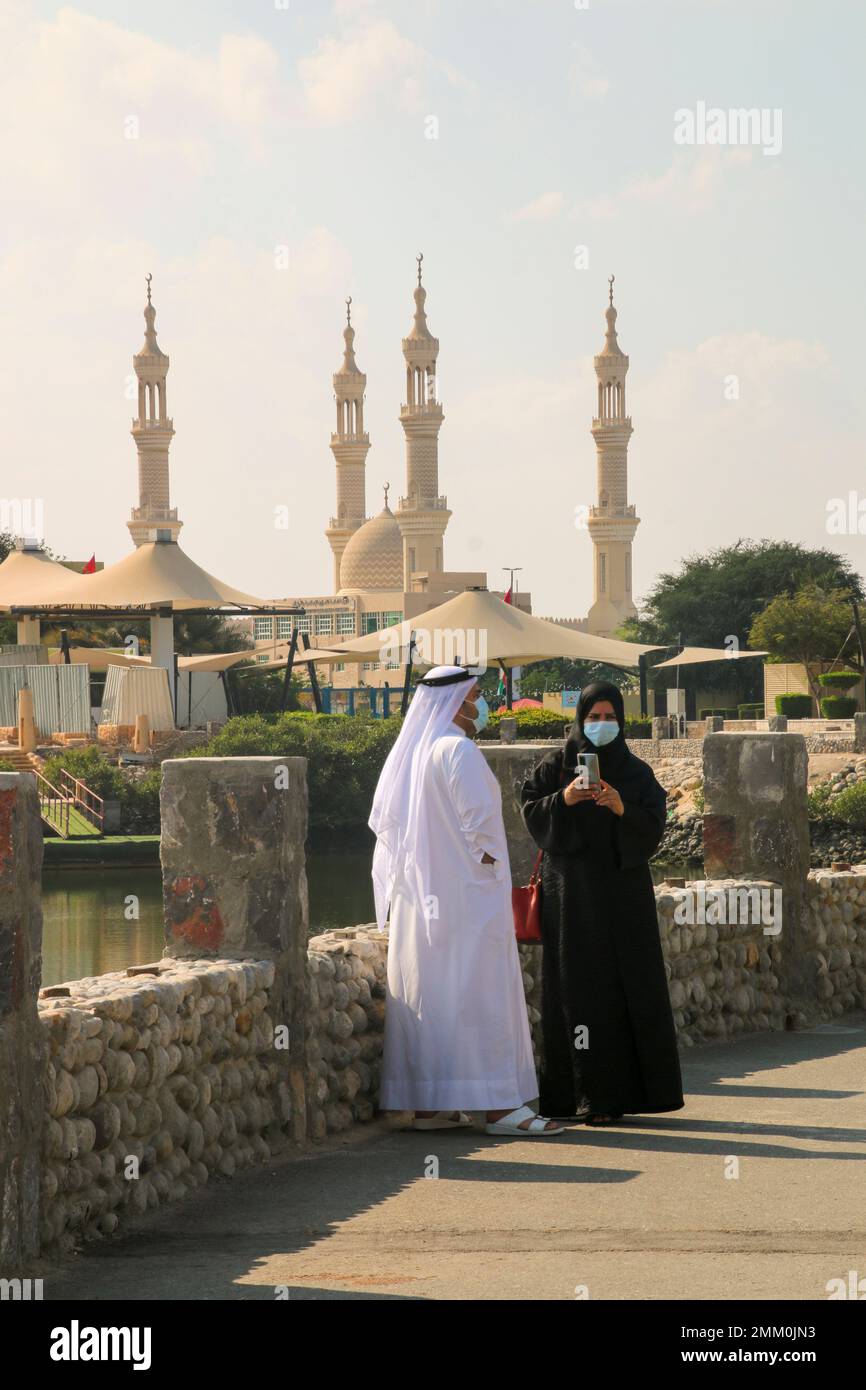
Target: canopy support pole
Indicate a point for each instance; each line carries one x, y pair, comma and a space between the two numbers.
290, 661
509, 685
230, 704
314, 680
641, 669
407, 675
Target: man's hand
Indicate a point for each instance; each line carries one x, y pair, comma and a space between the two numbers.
610, 797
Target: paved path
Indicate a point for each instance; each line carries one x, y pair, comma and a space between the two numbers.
641, 1211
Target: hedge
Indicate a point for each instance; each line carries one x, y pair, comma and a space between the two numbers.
839, 680
531, 723
794, 706
849, 806
838, 706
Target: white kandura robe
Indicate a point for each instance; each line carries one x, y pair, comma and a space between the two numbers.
456, 1027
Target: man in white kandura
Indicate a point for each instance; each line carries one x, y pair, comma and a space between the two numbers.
456, 1030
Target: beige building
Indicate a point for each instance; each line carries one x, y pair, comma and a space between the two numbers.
389, 566
612, 521
154, 518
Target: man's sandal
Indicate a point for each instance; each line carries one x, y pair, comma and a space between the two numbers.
510, 1124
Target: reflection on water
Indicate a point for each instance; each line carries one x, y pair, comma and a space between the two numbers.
85, 930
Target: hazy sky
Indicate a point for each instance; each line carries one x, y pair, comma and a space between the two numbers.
258, 126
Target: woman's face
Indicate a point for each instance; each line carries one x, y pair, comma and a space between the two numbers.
601, 710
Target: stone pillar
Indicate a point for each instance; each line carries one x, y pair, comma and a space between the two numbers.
23, 1061
860, 733
715, 723
756, 826
234, 879
661, 726
26, 724
508, 729
778, 724
511, 765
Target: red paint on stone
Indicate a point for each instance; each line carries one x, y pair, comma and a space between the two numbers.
7, 806
200, 923
720, 835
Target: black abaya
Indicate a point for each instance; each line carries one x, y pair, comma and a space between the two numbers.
602, 968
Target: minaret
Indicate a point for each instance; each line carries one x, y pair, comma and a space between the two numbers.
422, 514
349, 446
152, 430
612, 522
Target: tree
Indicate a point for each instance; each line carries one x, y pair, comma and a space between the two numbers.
719, 595
810, 626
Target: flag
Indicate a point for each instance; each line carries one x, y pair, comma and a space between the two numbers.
507, 598
90, 567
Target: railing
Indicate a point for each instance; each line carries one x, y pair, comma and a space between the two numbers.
53, 805
91, 806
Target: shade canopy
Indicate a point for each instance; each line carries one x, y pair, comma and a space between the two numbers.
156, 575
478, 628
100, 658
28, 576
693, 656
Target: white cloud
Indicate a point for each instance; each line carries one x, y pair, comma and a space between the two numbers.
371, 62
540, 209
585, 75
693, 182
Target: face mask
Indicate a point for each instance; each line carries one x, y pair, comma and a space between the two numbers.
483, 714
601, 731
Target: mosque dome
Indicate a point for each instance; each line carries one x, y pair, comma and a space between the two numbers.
373, 559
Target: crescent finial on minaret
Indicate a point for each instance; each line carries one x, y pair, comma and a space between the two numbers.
610, 280
387, 490
148, 277
419, 258
349, 309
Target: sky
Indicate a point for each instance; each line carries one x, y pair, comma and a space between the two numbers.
266, 159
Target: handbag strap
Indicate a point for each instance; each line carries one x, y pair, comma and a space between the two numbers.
533, 877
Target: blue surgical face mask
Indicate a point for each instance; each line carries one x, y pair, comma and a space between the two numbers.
482, 717
601, 731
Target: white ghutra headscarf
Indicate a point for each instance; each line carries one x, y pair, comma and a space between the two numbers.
398, 818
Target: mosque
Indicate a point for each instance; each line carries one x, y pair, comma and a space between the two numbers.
391, 566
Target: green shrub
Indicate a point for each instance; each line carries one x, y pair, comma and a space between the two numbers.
139, 803
750, 711
88, 766
6, 766
638, 726
850, 806
794, 706
839, 680
838, 706
818, 798
531, 723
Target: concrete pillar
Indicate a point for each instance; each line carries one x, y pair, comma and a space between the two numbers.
860, 733
29, 632
23, 1060
141, 737
777, 723
756, 826
234, 879
661, 727
26, 723
715, 723
508, 729
162, 646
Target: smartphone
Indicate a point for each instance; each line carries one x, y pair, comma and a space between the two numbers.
586, 772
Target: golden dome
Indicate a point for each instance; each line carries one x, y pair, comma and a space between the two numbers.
373, 559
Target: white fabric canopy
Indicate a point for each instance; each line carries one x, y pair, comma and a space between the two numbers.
477, 627
692, 656
28, 576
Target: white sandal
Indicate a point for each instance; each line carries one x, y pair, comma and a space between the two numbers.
510, 1124
442, 1120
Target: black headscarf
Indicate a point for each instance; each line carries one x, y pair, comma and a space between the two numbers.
615, 758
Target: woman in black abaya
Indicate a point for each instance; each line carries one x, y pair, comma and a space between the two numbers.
609, 1043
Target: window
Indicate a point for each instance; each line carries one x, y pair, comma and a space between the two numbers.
628, 572
372, 622
411, 558
340, 666
346, 624
263, 656
323, 624
304, 624
602, 573
263, 629
284, 627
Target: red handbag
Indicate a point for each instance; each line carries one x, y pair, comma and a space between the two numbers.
526, 906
